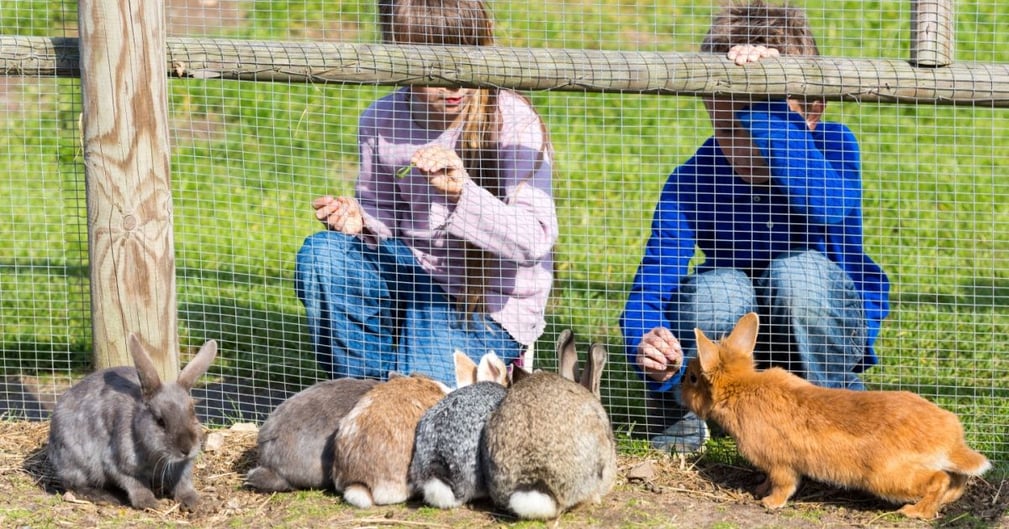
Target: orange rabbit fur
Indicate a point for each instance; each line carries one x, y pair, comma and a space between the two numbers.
893, 444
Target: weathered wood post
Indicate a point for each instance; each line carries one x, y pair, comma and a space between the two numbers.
126, 166
933, 32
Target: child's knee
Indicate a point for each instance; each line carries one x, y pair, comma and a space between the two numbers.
806, 275
326, 246
726, 291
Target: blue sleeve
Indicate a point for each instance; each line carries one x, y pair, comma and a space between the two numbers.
821, 173
666, 258
845, 240
869, 278
816, 185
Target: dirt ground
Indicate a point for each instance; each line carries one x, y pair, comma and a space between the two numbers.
654, 490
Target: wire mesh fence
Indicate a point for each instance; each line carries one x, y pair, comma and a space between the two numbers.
248, 158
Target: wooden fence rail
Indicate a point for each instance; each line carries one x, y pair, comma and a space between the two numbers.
866, 80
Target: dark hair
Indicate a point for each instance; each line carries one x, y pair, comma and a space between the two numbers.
435, 22
782, 27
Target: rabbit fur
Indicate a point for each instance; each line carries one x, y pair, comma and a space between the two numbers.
121, 430
445, 468
549, 445
295, 444
893, 444
374, 442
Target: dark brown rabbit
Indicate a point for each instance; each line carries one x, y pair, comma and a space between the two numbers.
893, 444
122, 430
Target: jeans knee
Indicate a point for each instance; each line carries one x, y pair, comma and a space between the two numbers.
712, 301
724, 290
809, 263
325, 247
805, 279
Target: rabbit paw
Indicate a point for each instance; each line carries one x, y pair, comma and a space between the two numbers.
914, 510
189, 500
143, 499
774, 501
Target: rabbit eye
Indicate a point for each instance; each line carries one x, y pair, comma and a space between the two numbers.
693, 378
160, 420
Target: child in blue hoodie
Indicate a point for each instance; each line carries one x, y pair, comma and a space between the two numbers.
773, 202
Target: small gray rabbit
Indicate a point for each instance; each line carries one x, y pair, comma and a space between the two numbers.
122, 430
549, 445
374, 441
295, 444
445, 468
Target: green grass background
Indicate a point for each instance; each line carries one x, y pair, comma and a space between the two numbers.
248, 157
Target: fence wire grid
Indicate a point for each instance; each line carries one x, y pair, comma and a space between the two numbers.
248, 158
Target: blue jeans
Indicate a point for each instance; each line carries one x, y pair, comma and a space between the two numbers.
811, 319
375, 310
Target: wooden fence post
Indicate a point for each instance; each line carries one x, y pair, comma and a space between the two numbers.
933, 32
126, 167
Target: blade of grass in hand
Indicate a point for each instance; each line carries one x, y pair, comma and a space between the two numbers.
404, 171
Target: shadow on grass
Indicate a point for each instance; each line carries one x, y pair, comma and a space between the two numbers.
978, 294
225, 403
265, 356
36, 464
22, 400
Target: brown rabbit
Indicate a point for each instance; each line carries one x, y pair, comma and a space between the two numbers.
373, 443
893, 444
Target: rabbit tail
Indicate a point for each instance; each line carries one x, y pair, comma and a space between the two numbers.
439, 494
358, 495
533, 504
963, 460
363, 497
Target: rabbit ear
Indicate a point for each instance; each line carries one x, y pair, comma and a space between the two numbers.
517, 373
150, 382
592, 375
465, 369
743, 338
492, 369
707, 351
567, 357
441, 385
198, 365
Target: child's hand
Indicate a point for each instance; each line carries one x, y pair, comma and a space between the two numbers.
745, 53
443, 168
342, 214
659, 354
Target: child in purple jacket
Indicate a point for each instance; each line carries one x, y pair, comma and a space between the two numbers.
773, 202
447, 243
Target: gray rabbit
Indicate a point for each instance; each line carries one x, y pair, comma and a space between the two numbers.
295, 444
445, 468
549, 445
122, 430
